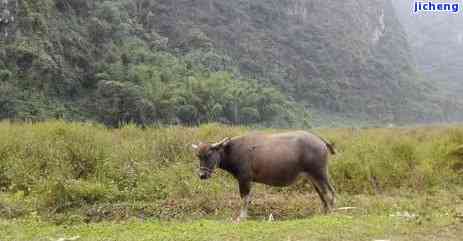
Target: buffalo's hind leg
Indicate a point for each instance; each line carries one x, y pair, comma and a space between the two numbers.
322, 185
322, 197
320, 193
332, 190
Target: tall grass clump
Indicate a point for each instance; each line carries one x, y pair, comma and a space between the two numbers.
377, 160
69, 165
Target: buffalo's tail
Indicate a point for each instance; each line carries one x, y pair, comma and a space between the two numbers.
329, 145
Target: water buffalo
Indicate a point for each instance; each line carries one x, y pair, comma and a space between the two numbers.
272, 159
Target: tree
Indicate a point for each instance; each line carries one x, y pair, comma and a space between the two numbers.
187, 114
119, 103
249, 115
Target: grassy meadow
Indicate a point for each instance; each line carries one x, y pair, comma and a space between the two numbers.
60, 179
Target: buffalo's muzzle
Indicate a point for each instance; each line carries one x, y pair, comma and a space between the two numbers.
203, 176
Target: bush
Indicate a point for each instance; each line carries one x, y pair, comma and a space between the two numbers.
379, 160
77, 193
121, 102
187, 114
5, 75
249, 115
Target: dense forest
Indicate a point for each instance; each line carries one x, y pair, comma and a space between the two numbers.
267, 62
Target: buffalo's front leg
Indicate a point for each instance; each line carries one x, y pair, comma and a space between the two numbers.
245, 189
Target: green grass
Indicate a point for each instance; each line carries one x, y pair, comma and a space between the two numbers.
332, 227
66, 179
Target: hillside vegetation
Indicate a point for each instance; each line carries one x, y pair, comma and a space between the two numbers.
103, 60
245, 62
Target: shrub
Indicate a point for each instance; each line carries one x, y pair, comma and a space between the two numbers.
249, 115
121, 102
187, 113
5, 75
60, 196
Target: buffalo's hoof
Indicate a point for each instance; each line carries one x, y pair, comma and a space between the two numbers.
239, 219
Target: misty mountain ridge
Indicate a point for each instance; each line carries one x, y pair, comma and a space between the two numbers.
436, 40
157, 61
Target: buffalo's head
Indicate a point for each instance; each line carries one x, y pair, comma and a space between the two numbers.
209, 156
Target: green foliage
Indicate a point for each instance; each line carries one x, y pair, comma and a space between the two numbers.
249, 115
187, 113
76, 193
5, 75
165, 69
120, 102
187, 92
125, 75
375, 161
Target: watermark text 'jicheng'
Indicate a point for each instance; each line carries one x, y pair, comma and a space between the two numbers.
429, 6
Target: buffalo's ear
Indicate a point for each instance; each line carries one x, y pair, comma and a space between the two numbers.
194, 146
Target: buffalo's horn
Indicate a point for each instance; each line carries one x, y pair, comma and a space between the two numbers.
221, 143
194, 146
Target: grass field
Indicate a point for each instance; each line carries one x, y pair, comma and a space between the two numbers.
65, 180
333, 227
